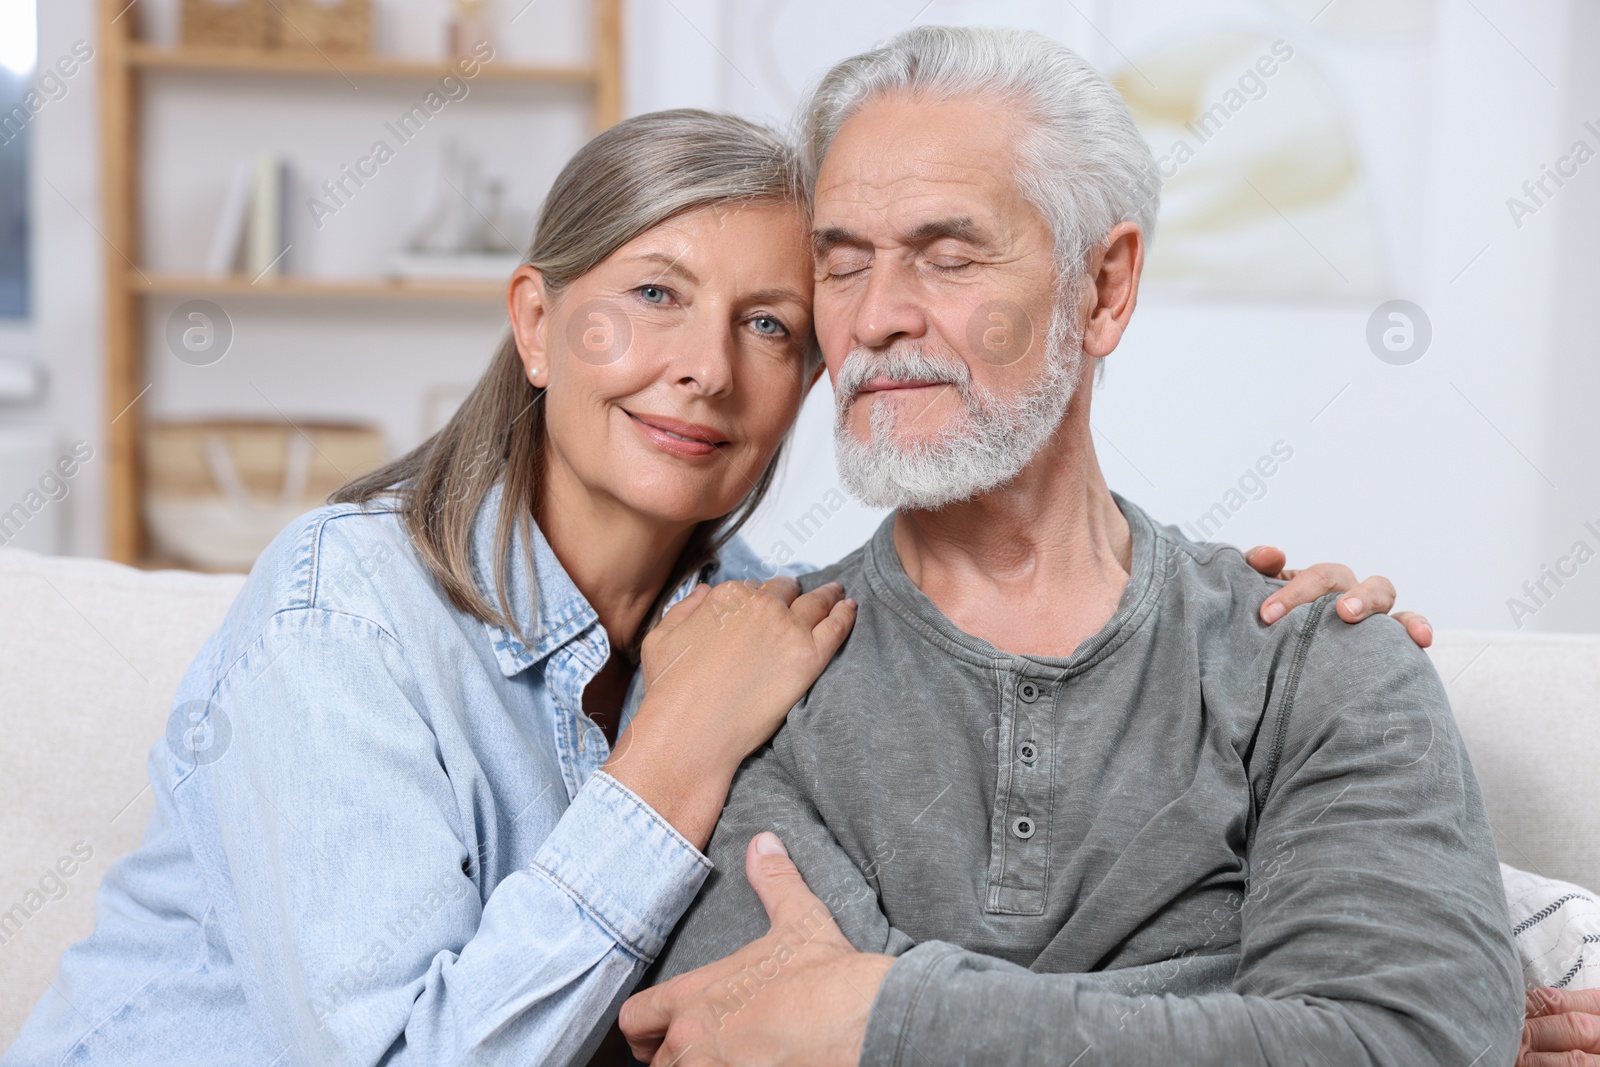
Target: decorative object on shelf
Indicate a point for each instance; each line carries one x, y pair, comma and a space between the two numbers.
464, 234
321, 25
470, 25
225, 23
220, 490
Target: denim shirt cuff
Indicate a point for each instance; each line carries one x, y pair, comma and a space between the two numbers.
901, 1004
624, 864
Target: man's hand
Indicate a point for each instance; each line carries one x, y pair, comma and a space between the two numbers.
1562, 1029
801, 994
1375, 596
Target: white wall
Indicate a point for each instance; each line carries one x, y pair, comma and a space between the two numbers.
1459, 476
1571, 422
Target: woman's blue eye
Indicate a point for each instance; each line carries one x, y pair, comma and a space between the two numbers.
768, 325
653, 293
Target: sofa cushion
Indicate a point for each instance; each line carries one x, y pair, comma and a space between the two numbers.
91, 654
1529, 711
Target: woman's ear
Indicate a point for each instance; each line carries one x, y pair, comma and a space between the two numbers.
529, 305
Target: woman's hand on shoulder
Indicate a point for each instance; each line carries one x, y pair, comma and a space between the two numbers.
763, 643
1374, 596
721, 671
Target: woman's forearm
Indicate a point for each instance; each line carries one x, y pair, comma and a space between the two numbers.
678, 763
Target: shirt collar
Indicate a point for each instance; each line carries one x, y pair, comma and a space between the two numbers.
550, 610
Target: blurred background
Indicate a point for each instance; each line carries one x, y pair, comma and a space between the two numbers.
1375, 275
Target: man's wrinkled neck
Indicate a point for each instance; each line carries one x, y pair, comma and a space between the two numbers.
1052, 532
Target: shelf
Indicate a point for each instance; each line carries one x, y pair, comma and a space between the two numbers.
130, 69
152, 284
336, 64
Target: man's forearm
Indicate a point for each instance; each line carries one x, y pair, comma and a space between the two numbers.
942, 1004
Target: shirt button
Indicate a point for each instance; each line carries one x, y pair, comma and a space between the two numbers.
1022, 827
1028, 692
1027, 752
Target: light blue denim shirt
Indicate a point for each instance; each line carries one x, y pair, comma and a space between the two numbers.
380, 831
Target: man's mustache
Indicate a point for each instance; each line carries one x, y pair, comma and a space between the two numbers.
901, 364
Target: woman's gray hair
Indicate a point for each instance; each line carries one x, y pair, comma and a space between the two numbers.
1085, 165
650, 168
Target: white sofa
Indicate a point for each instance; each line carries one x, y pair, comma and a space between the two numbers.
91, 653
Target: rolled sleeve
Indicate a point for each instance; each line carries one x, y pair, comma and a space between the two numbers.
623, 864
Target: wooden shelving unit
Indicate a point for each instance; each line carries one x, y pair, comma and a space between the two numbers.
125, 61
159, 284
299, 64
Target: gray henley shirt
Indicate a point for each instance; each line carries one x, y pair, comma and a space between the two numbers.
1198, 839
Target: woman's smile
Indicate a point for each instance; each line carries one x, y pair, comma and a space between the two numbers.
679, 438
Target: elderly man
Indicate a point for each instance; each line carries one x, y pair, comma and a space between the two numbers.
1068, 798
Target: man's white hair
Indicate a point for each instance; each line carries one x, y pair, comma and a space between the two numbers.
1084, 164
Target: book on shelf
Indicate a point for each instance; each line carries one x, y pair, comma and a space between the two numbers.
251, 233
227, 241
265, 247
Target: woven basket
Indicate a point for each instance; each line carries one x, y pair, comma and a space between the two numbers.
225, 23
322, 25
219, 491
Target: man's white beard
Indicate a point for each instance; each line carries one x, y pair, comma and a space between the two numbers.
981, 448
